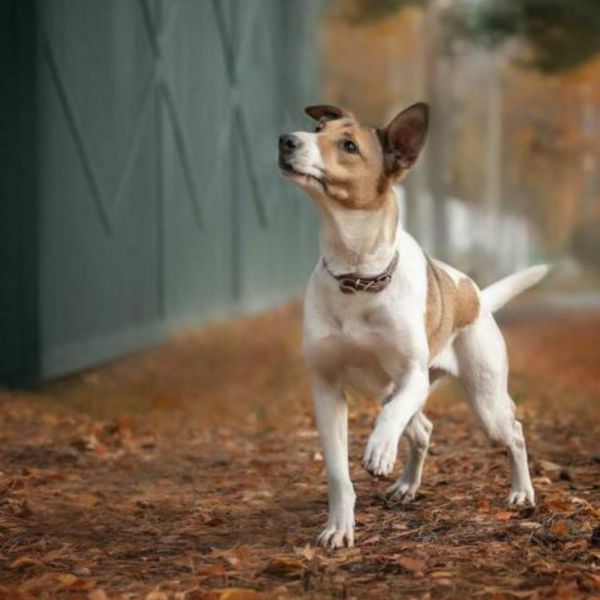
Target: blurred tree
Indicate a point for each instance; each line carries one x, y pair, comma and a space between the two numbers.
505, 138
560, 34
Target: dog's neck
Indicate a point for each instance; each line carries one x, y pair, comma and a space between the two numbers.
356, 240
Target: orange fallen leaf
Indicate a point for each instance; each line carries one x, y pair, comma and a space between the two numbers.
373, 539
156, 595
503, 515
413, 565
88, 500
559, 506
281, 565
67, 579
56, 554
215, 570
560, 528
239, 594
25, 561
484, 505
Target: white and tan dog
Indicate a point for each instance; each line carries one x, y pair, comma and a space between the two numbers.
381, 316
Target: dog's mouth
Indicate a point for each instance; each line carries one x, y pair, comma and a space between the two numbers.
289, 170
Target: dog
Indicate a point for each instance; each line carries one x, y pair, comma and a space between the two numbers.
381, 316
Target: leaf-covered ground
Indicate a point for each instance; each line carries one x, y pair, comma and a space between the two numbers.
194, 471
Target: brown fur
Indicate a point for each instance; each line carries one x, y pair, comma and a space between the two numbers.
353, 180
449, 306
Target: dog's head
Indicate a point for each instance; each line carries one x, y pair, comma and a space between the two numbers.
349, 163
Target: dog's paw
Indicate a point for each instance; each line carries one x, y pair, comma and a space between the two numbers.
381, 451
521, 496
406, 491
338, 533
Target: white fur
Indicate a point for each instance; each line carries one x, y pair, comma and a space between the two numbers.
308, 158
378, 342
498, 294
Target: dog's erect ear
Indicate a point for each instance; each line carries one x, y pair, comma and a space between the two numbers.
404, 138
325, 112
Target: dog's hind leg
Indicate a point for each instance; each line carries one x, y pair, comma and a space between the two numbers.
483, 368
418, 433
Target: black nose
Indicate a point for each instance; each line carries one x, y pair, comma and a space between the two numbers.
288, 143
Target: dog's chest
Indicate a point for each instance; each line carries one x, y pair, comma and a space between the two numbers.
355, 350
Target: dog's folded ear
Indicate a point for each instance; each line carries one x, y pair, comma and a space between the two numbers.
404, 138
325, 112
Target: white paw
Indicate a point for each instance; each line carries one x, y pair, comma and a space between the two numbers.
405, 490
522, 496
381, 451
338, 533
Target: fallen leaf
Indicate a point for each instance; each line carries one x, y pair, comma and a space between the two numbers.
56, 554
88, 500
547, 465
284, 565
25, 561
156, 594
559, 506
542, 480
67, 579
484, 505
214, 570
504, 515
413, 565
239, 594
529, 525
440, 574
522, 593
560, 528
308, 552
373, 539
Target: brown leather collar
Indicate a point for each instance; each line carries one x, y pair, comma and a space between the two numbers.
350, 283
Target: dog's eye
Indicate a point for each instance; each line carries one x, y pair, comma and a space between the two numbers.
350, 147
319, 127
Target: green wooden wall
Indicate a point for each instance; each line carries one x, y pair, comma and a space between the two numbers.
151, 199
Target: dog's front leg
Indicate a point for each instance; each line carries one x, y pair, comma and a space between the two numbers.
332, 420
408, 397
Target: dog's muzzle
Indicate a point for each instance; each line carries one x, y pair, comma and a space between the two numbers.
288, 145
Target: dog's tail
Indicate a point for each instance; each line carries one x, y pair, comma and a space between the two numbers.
498, 294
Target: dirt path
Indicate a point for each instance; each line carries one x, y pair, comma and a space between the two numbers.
194, 470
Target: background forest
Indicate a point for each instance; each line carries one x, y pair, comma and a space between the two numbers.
511, 171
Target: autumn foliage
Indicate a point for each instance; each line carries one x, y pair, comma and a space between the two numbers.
194, 471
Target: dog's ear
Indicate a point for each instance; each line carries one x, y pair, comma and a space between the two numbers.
325, 112
404, 138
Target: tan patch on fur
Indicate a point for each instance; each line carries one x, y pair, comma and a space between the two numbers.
449, 306
353, 180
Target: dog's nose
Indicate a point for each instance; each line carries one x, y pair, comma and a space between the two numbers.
288, 143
